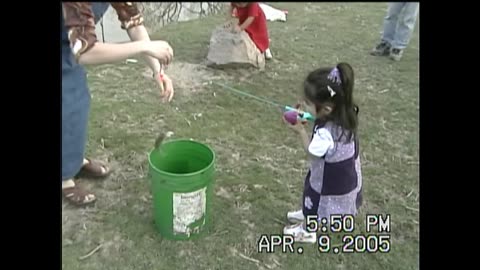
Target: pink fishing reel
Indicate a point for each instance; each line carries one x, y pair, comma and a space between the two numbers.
291, 117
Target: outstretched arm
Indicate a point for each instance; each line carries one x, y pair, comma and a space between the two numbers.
80, 24
131, 19
139, 33
103, 53
253, 11
247, 23
230, 22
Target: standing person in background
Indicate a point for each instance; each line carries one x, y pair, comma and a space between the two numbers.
79, 47
397, 29
252, 20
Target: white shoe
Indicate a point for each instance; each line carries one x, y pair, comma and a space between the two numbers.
300, 235
295, 216
268, 54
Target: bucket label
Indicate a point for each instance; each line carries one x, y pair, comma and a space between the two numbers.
187, 209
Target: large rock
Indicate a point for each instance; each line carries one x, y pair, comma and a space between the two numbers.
229, 49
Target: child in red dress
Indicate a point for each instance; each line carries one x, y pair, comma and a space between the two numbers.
252, 19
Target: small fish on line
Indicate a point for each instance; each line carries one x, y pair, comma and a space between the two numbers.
159, 140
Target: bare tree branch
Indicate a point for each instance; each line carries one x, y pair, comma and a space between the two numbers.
159, 14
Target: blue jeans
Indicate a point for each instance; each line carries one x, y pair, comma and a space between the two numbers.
75, 103
399, 23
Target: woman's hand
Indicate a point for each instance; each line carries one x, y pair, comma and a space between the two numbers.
159, 49
166, 87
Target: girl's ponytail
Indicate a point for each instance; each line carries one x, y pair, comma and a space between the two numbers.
350, 109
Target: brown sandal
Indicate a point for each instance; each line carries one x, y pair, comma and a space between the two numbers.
78, 196
94, 169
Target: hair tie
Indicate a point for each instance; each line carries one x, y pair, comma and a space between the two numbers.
334, 76
332, 93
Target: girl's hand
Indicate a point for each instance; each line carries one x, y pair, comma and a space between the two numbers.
228, 25
166, 87
160, 50
297, 127
237, 29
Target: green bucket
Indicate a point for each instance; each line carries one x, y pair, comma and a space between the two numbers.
182, 177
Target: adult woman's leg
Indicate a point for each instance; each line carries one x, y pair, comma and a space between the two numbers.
75, 110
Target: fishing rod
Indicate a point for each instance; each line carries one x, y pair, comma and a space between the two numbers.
290, 112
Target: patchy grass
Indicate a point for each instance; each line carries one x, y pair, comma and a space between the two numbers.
260, 164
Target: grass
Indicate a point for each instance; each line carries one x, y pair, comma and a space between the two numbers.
260, 164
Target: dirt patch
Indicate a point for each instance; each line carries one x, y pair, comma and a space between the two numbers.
189, 77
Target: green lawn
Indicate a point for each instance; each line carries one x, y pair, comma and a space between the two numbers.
260, 163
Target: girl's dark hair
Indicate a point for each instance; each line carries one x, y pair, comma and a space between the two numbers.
316, 90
